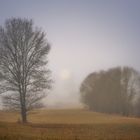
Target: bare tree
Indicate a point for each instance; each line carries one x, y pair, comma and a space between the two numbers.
25, 77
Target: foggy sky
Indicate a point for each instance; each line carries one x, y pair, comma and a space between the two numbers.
85, 35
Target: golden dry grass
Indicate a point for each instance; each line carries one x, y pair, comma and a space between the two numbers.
69, 124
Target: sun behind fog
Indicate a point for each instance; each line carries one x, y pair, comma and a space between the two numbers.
65, 74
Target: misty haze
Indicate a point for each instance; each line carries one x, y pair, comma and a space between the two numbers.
69, 70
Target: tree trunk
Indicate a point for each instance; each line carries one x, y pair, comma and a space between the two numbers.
23, 114
23, 107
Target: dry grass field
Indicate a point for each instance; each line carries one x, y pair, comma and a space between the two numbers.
72, 124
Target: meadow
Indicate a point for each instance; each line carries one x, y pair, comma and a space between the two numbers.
70, 124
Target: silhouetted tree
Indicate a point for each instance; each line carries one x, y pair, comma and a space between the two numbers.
25, 77
110, 91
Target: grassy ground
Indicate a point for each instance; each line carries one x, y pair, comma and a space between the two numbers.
68, 125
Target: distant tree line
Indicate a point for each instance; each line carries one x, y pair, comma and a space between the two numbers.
116, 90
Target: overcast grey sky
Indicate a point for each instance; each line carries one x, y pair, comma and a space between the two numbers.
86, 36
